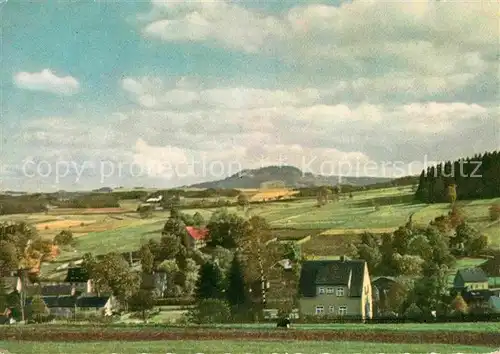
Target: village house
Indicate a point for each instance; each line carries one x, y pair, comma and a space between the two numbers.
335, 288
195, 238
66, 306
470, 279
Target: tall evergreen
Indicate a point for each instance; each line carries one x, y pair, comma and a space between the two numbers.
476, 177
210, 282
236, 293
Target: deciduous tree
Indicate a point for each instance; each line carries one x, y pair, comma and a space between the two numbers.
142, 301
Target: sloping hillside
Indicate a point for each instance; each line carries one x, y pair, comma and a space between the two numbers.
289, 176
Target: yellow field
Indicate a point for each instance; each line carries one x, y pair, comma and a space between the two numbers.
62, 224
268, 194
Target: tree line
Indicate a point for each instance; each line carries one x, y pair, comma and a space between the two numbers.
475, 177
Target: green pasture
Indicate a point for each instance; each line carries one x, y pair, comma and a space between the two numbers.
233, 347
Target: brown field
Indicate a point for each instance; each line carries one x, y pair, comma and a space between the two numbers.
62, 224
77, 211
381, 230
103, 334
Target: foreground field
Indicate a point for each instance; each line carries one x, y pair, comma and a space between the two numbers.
151, 333
233, 347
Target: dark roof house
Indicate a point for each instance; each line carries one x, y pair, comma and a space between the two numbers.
92, 301
349, 273
468, 276
56, 289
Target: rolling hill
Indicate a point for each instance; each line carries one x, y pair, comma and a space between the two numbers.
287, 176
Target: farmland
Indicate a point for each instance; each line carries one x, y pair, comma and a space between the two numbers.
234, 347
258, 338
331, 227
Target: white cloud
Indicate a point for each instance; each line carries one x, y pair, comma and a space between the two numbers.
47, 81
413, 49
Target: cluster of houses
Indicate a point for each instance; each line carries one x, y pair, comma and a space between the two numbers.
335, 287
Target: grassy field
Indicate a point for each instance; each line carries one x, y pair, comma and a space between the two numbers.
331, 226
233, 347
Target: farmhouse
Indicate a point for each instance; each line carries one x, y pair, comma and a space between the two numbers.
470, 279
79, 280
195, 238
335, 288
67, 306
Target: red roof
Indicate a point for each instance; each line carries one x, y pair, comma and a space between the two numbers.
197, 234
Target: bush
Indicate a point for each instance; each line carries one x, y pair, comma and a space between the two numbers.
495, 212
210, 311
176, 301
65, 237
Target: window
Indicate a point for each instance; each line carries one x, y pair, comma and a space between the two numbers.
331, 309
320, 310
342, 310
329, 290
340, 291
321, 290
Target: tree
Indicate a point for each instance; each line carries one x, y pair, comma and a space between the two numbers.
236, 293
413, 311
65, 237
191, 276
322, 196
225, 229
198, 219
209, 284
430, 292
396, 296
114, 272
259, 253
459, 306
456, 216
38, 308
419, 246
145, 211
170, 267
407, 264
469, 240
242, 200
142, 301
452, 193
168, 247
210, 311
4, 297
147, 259
494, 212
174, 226
8, 258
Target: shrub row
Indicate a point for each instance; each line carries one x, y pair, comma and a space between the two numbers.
185, 301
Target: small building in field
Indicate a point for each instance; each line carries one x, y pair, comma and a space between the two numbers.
196, 238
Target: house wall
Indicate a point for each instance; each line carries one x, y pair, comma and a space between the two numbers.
356, 306
477, 286
367, 296
62, 312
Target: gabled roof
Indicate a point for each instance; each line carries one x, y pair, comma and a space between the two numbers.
92, 301
472, 275
332, 272
76, 275
57, 301
196, 233
57, 289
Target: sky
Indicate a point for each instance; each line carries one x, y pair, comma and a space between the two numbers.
162, 94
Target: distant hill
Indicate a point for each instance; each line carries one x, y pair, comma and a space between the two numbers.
288, 176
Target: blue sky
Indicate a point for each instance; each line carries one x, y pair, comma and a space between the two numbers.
144, 85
